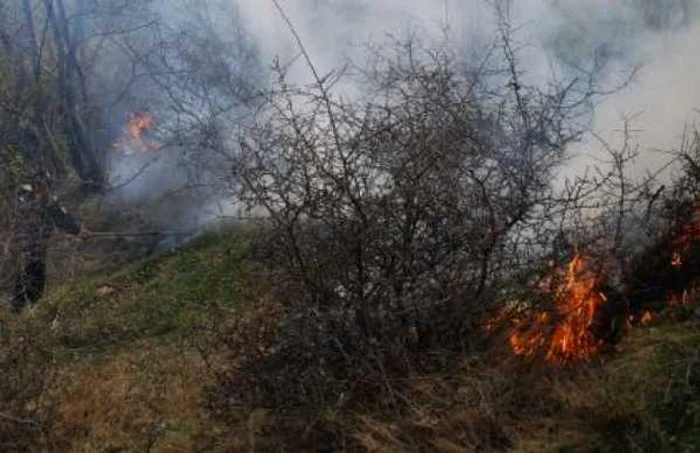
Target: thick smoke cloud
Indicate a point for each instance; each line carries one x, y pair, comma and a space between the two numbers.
190, 66
659, 37
558, 38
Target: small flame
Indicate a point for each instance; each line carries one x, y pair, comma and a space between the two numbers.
687, 234
134, 137
564, 335
646, 318
676, 260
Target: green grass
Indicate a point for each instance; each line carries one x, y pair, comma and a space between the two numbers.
120, 365
156, 298
645, 398
117, 347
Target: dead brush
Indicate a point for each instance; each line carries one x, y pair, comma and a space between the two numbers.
479, 408
231, 340
129, 401
26, 366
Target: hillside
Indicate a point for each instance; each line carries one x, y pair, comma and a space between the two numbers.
121, 372
114, 368
645, 397
349, 226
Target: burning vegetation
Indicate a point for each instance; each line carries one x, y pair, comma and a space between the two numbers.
562, 334
376, 231
576, 299
568, 333
134, 139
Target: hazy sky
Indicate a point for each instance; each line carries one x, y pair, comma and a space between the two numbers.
661, 100
550, 33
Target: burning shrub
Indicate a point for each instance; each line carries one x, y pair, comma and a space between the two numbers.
576, 298
667, 272
584, 312
134, 139
394, 223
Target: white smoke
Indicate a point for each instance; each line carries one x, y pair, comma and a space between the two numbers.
650, 35
658, 36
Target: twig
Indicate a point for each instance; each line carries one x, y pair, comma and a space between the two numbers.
23, 421
137, 233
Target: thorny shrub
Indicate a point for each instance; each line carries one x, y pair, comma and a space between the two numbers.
395, 218
398, 219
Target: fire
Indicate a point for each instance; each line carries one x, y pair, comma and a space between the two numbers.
140, 123
564, 335
676, 260
640, 320
690, 230
686, 235
134, 137
647, 317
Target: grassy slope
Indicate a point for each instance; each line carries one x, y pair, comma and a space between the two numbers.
645, 398
124, 377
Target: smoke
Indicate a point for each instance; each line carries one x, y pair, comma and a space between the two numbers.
191, 66
236, 41
557, 38
659, 39
662, 102
336, 31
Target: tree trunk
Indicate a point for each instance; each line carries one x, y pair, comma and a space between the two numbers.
33, 43
82, 149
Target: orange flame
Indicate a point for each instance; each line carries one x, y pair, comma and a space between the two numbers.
689, 231
562, 335
134, 137
685, 235
676, 260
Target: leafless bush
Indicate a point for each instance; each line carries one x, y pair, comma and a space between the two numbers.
685, 189
396, 218
667, 265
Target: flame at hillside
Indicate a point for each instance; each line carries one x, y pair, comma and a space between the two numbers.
566, 332
563, 334
134, 138
646, 318
688, 233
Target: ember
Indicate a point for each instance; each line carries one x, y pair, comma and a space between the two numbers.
684, 260
134, 139
677, 260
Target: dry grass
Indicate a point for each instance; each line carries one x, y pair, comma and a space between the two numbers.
146, 392
642, 399
468, 411
144, 399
